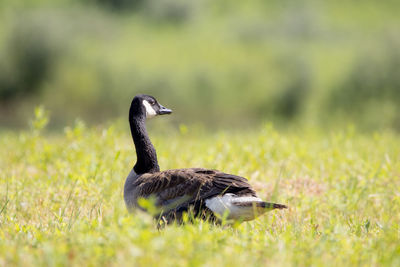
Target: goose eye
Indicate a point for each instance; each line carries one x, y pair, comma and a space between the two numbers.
152, 102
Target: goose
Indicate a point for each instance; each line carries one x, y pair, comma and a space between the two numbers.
207, 193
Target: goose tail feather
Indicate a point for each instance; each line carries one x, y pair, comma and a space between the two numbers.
261, 204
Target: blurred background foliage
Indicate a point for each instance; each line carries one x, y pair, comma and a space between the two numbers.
215, 62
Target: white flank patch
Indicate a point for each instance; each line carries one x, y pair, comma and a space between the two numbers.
225, 204
150, 112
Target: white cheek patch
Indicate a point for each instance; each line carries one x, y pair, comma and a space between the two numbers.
150, 112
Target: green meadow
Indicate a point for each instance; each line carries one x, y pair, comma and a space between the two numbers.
61, 200
301, 97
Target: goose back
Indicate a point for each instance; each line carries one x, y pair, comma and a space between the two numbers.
177, 190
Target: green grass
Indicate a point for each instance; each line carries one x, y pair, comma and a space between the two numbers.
61, 198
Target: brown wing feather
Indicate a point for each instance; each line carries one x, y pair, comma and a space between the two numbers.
194, 184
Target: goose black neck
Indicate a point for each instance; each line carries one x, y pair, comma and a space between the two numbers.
145, 151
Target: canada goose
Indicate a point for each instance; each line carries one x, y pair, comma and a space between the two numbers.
207, 193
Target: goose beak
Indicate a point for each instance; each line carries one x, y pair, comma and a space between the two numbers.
164, 110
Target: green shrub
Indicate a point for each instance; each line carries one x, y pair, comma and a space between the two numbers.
119, 5
370, 94
29, 55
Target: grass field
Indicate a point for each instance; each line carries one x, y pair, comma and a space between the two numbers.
61, 198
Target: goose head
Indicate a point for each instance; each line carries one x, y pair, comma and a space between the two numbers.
148, 106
